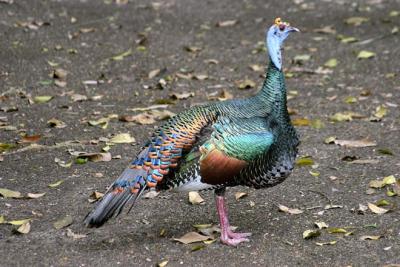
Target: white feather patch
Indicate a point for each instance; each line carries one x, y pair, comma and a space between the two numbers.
193, 185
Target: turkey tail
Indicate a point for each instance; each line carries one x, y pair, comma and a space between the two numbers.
128, 187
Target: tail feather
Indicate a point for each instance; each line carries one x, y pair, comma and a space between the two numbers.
127, 187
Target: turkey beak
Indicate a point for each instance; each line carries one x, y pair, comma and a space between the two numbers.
293, 29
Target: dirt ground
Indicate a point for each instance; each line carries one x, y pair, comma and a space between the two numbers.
109, 49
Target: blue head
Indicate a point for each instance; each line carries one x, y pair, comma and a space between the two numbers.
276, 35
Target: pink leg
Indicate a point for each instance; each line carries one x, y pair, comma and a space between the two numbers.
227, 236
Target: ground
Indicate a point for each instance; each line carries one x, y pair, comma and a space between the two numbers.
88, 39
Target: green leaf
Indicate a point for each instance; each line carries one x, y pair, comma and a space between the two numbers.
331, 63
304, 161
19, 222
46, 82
350, 100
56, 184
365, 54
335, 230
348, 40
6, 193
5, 147
382, 202
330, 140
81, 160
385, 151
42, 99
121, 56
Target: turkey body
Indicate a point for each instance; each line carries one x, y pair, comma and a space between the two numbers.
248, 142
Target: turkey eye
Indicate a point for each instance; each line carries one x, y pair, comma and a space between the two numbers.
282, 27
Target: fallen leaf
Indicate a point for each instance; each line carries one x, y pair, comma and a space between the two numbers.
42, 99
123, 138
382, 202
289, 210
192, 49
192, 237
335, 230
333, 242
355, 143
339, 117
356, 21
63, 222
19, 222
2, 219
327, 30
321, 225
161, 114
6, 193
31, 138
69, 233
308, 234
162, 263
330, 140
331, 63
180, 96
300, 59
376, 209
380, 112
62, 163
142, 118
226, 23
200, 77
365, 161
154, 73
56, 184
60, 74
315, 173
370, 237
246, 84
121, 56
24, 228
350, 100
195, 198
102, 122
385, 151
96, 157
56, 123
365, 54
255, 67
239, 195
35, 195
222, 96
304, 161
317, 124
78, 98
301, 122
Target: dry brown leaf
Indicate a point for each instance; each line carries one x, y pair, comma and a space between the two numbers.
56, 123
192, 237
63, 222
151, 194
37, 195
30, 138
321, 225
375, 209
355, 143
180, 96
195, 198
24, 228
96, 157
289, 210
123, 138
226, 23
239, 195
69, 233
78, 98
370, 237
154, 73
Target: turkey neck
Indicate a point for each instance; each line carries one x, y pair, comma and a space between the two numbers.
273, 93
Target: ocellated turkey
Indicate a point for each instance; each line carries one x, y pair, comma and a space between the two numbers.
248, 142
